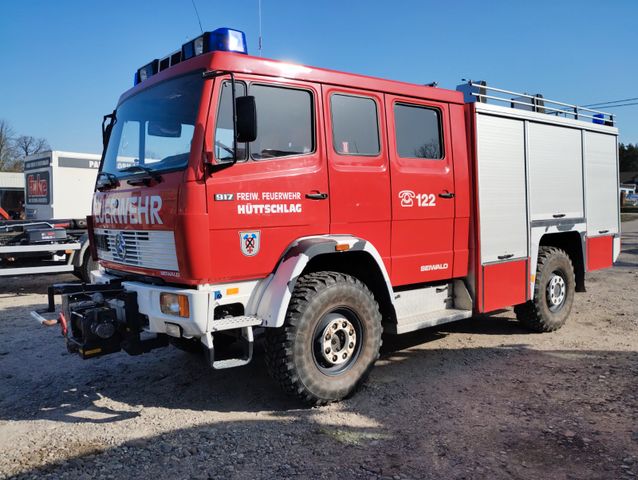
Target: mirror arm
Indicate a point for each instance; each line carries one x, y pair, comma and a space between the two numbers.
107, 128
217, 73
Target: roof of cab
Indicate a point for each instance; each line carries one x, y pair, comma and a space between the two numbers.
240, 63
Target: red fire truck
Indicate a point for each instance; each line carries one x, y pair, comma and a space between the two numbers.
239, 194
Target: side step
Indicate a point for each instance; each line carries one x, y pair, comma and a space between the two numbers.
246, 339
232, 323
429, 306
428, 319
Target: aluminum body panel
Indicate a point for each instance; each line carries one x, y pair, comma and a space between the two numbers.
501, 188
556, 172
601, 183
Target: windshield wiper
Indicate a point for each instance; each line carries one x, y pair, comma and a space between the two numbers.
139, 168
109, 181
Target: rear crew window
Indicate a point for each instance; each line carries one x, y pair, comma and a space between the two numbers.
355, 125
284, 122
418, 131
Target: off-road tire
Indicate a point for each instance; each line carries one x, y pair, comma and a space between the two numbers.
536, 313
88, 265
291, 355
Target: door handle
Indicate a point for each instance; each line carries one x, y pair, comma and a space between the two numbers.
317, 196
558, 215
446, 195
505, 257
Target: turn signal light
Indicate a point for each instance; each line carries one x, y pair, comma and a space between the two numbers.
174, 304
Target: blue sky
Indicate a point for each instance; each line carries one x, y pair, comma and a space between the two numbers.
64, 63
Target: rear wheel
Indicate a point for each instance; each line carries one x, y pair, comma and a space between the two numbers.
553, 292
330, 339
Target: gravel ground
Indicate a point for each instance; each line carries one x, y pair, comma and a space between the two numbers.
481, 398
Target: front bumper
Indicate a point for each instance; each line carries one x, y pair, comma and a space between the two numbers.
148, 303
112, 314
206, 306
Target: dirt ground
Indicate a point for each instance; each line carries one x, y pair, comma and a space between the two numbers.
481, 398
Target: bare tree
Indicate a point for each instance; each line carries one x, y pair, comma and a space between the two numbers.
7, 151
27, 145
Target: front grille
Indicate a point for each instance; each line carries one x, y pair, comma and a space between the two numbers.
147, 248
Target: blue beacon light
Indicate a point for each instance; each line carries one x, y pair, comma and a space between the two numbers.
220, 40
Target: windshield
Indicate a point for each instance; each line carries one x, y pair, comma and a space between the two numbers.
154, 128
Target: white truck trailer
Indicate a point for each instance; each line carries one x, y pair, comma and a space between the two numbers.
53, 236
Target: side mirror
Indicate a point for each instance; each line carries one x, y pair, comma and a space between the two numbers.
246, 119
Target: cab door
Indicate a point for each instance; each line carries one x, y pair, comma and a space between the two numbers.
422, 184
358, 166
277, 192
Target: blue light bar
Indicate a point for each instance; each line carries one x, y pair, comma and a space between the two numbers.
220, 40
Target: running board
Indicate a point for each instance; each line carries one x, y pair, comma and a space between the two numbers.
429, 306
425, 320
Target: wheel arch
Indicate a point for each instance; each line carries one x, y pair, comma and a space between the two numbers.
313, 254
573, 243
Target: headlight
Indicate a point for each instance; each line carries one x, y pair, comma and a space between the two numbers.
174, 304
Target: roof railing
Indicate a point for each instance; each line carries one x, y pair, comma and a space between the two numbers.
481, 92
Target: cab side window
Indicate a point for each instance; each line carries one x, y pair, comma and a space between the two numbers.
355, 125
418, 131
284, 122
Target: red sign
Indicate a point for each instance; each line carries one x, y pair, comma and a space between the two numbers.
38, 188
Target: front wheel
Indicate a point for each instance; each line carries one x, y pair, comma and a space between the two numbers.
330, 339
88, 265
553, 292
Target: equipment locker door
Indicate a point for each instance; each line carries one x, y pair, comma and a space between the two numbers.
555, 160
601, 199
601, 183
502, 205
422, 177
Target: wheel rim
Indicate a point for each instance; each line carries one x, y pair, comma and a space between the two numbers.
556, 291
337, 341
